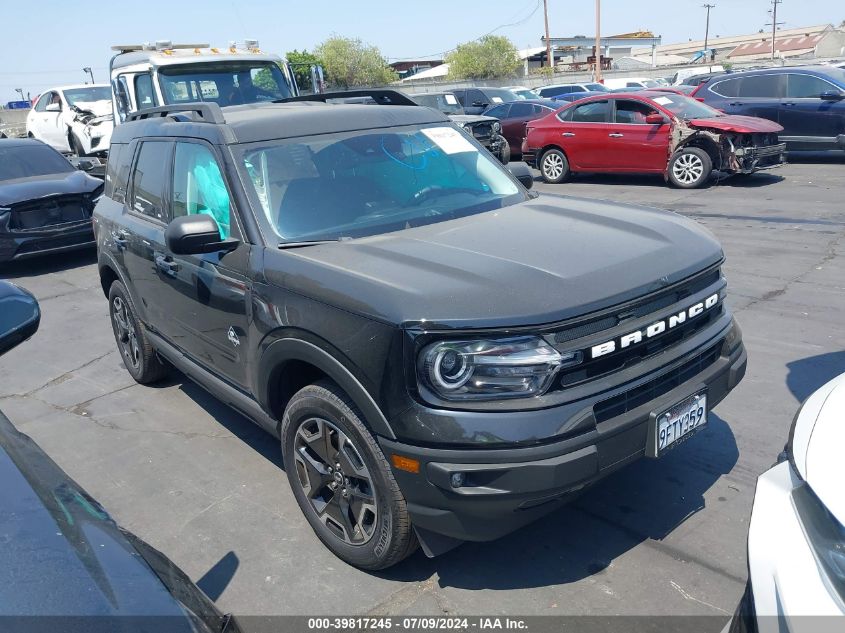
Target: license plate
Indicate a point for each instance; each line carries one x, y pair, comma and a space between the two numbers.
678, 423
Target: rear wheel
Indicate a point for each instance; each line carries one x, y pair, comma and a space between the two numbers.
554, 167
690, 167
139, 357
342, 481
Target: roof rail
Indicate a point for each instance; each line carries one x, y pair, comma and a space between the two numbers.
382, 96
209, 112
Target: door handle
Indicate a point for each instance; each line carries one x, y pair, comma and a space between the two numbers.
166, 265
736, 103
568, 134
616, 135
121, 239
789, 103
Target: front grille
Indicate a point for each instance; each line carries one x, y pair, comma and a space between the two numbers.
638, 396
49, 212
771, 150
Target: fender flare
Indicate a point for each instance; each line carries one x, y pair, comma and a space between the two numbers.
105, 260
297, 349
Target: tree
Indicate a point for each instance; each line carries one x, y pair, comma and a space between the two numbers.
301, 61
350, 63
491, 57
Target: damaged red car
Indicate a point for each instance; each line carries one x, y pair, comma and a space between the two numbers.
650, 132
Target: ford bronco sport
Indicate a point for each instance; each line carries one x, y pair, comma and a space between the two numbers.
443, 355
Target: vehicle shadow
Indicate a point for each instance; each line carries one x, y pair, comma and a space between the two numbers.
808, 374
760, 179
646, 500
46, 264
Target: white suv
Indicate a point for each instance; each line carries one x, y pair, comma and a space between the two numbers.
73, 119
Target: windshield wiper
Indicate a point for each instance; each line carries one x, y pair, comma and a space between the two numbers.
301, 244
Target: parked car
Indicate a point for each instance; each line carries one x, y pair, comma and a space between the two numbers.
796, 536
73, 119
548, 92
522, 92
443, 357
650, 132
614, 83
807, 101
64, 563
477, 100
45, 204
486, 129
681, 89
684, 75
569, 97
515, 115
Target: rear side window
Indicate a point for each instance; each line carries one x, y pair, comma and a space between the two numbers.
149, 179
593, 112
726, 87
198, 185
115, 150
761, 86
806, 86
500, 111
521, 109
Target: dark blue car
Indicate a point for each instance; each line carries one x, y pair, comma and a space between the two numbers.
808, 101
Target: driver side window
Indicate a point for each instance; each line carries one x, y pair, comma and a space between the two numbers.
198, 186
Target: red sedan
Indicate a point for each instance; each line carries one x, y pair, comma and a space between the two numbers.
650, 132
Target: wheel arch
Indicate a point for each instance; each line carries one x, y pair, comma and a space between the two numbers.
291, 362
704, 143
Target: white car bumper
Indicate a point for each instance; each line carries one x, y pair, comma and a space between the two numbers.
790, 591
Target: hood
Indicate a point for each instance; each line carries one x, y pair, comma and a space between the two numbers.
817, 441
97, 108
470, 118
537, 262
25, 189
737, 123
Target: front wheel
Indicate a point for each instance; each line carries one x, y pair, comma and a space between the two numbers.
554, 167
342, 481
690, 167
504, 153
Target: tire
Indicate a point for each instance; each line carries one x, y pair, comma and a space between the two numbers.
75, 145
368, 526
554, 166
138, 354
689, 168
504, 150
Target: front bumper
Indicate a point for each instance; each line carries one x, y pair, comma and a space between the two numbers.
753, 159
789, 592
506, 488
16, 245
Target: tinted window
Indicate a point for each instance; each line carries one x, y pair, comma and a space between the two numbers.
115, 150
87, 94
461, 95
198, 185
806, 86
42, 102
760, 86
500, 111
475, 97
726, 87
593, 112
521, 109
632, 112
149, 178
144, 93
35, 159
594, 88
500, 95
539, 109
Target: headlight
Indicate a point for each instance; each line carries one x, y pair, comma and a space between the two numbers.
497, 127
824, 533
491, 369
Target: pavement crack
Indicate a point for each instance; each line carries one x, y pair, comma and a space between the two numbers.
58, 379
688, 596
396, 603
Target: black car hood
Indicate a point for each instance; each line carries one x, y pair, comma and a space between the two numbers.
62, 555
24, 189
537, 262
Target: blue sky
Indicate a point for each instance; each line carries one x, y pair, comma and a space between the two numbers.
47, 42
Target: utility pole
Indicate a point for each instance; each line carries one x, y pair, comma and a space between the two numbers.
87, 69
20, 92
548, 42
598, 41
775, 23
707, 29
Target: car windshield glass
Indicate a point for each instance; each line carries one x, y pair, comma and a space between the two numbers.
685, 107
597, 88
225, 83
31, 160
446, 103
365, 183
86, 95
500, 95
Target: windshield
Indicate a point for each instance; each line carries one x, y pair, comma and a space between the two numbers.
500, 95
525, 94
225, 83
367, 183
85, 95
685, 107
31, 160
445, 103
597, 88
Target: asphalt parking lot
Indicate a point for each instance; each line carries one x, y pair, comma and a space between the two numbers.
205, 486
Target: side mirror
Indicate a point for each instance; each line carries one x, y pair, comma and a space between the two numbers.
521, 172
831, 95
19, 316
654, 119
195, 234
53, 107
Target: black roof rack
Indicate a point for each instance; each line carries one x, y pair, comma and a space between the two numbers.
382, 96
208, 112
